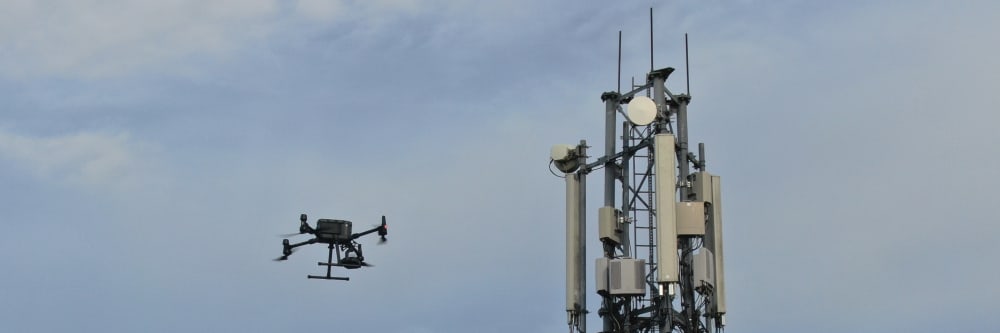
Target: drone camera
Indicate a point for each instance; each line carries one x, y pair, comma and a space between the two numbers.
351, 262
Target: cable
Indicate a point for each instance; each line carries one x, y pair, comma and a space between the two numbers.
551, 161
618, 324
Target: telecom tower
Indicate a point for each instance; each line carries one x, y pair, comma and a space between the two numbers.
662, 267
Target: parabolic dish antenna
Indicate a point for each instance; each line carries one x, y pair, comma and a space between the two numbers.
641, 111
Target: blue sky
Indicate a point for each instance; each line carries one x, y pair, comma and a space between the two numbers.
150, 154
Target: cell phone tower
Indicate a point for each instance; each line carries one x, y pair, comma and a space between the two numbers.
662, 263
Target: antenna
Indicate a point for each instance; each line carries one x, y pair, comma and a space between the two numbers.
687, 67
651, 39
619, 61
641, 111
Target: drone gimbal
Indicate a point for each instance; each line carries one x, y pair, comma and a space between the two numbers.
336, 233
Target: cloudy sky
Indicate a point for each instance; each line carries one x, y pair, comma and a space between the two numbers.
151, 153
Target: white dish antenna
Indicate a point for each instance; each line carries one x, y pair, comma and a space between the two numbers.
641, 111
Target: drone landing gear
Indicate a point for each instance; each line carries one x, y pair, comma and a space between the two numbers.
329, 266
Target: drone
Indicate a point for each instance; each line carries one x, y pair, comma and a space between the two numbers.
336, 233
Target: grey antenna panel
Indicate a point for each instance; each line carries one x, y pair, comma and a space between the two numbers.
690, 218
628, 277
666, 220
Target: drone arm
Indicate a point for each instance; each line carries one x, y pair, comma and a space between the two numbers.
311, 241
287, 248
358, 235
305, 228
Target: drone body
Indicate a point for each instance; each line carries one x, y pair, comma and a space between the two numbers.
336, 233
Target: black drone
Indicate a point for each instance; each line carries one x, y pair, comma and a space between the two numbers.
336, 233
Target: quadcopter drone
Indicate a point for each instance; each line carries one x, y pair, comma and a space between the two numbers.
336, 233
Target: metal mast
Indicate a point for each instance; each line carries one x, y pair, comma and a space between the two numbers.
662, 265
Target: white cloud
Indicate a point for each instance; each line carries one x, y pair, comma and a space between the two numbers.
326, 10
106, 38
95, 159
97, 39
859, 125
320, 10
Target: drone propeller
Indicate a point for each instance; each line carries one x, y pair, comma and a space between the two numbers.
284, 257
382, 231
285, 251
304, 227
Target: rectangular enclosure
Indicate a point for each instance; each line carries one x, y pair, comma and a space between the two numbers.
691, 218
621, 276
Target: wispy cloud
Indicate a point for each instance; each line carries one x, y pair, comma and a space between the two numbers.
93, 159
855, 142
107, 38
96, 39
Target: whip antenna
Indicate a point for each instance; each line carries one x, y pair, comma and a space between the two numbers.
687, 67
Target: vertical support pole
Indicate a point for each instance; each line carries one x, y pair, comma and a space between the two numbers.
687, 244
576, 247
626, 229
682, 145
582, 238
329, 259
610, 108
610, 100
659, 97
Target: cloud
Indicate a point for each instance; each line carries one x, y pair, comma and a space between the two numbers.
320, 10
99, 39
856, 161
96, 39
85, 158
858, 125
108, 38
332, 10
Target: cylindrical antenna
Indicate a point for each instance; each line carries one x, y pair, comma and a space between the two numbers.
651, 39
619, 61
701, 156
687, 67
